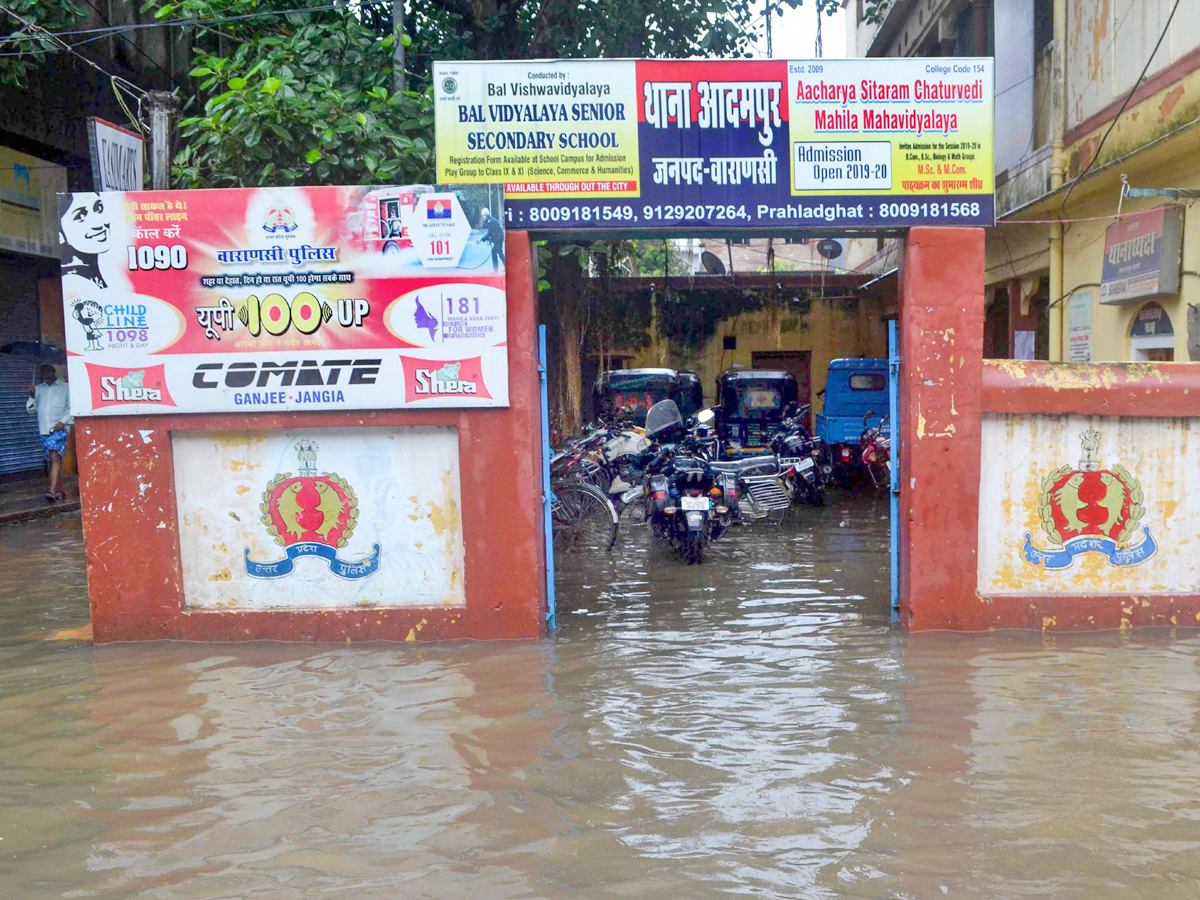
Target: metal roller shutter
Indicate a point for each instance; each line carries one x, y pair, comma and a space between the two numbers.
20, 449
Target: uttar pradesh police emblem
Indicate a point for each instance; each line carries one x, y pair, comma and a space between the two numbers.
310, 515
1090, 510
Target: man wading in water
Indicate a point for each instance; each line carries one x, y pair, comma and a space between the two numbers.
51, 400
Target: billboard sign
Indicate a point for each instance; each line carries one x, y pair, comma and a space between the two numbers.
721, 145
278, 299
28, 185
117, 156
1143, 256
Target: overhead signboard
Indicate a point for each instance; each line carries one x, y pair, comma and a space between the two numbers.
117, 156
1143, 256
271, 299
695, 145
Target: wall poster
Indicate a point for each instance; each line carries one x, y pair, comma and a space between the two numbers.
273, 299
319, 518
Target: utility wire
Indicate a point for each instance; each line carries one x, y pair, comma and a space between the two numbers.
117, 81
1116, 118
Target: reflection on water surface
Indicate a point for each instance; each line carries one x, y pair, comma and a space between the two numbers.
752, 726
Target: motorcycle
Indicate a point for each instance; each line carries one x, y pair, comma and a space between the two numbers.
875, 450
686, 501
803, 459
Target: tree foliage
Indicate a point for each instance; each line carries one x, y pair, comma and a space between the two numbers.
299, 98
23, 47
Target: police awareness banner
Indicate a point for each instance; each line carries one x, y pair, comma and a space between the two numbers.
269, 299
722, 145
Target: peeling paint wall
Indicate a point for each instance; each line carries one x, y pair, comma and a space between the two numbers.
1108, 43
1019, 454
828, 329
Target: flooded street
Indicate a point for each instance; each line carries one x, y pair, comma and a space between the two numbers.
753, 726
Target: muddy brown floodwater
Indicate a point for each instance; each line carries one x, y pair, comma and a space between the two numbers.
751, 727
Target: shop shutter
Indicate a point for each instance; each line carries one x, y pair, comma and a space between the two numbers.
20, 448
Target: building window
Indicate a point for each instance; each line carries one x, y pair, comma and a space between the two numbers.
1151, 336
729, 342
1043, 25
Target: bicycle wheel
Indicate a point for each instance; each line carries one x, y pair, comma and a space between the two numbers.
584, 519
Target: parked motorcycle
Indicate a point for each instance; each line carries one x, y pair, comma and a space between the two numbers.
803, 458
686, 501
875, 450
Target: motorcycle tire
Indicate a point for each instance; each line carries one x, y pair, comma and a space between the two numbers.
693, 546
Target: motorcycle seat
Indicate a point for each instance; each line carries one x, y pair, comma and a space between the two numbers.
762, 464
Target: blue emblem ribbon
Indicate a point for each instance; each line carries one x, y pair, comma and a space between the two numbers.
359, 568
1061, 559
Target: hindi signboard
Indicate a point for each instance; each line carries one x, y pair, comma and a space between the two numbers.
693, 145
117, 156
1079, 327
1143, 256
272, 299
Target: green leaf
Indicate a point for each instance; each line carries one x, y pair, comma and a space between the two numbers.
237, 84
200, 70
405, 40
271, 86
362, 120
388, 41
312, 156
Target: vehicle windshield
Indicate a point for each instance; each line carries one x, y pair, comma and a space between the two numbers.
754, 399
661, 418
631, 396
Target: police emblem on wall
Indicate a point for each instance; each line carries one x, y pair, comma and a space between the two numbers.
310, 515
1090, 509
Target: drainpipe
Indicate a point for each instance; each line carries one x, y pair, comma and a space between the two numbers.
1058, 171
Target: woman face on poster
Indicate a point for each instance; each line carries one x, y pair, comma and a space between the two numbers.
85, 231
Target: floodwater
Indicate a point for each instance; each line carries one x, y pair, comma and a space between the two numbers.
752, 727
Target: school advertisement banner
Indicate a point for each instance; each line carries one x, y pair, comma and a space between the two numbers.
262, 300
722, 145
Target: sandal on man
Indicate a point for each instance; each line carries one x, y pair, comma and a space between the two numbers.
60, 496
50, 498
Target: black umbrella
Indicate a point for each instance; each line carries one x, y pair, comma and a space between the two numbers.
35, 350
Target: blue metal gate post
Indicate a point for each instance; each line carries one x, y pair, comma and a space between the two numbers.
894, 492
547, 494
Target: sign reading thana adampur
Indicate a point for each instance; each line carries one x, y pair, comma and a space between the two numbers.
670, 145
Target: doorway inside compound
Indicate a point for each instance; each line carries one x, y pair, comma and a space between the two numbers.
809, 368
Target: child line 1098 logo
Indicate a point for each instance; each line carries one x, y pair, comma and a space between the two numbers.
428, 379
113, 326
112, 386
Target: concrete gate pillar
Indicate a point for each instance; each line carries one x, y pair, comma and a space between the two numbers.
941, 372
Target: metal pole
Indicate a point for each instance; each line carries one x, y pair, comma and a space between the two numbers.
894, 480
161, 105
398, 51
547, 492
770, 52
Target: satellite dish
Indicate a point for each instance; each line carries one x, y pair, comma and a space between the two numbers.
712, 263
829, 248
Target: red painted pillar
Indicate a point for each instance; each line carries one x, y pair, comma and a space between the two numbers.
130, 516
941, 371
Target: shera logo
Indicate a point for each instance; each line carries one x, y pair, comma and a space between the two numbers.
429, 379
112, 386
